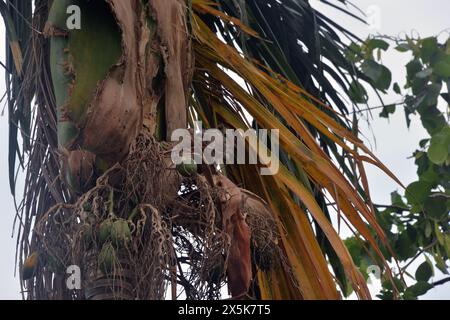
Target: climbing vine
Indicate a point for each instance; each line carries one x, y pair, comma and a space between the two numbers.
417, 220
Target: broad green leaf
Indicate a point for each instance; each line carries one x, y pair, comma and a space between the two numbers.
404, 246
397, 89
439, 146
428, 47
379, 74
357, 92
413, 67
417, 192
432, 119
430, 175
431, 94
424, 272
442, 68
377, 44
397, 200
436, 207
420, 288
418, 86
387, 110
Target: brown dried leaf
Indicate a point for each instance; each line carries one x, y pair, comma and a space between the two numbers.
239, 269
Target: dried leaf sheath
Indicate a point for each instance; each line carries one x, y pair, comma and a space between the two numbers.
99, 88
233, 222
171, 21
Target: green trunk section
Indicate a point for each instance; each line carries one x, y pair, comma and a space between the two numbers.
67, 130
94, 50
80, 60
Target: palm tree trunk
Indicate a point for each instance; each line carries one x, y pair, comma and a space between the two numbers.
129, 61
117, 285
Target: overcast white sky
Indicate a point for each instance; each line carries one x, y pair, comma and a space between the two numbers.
394, 143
